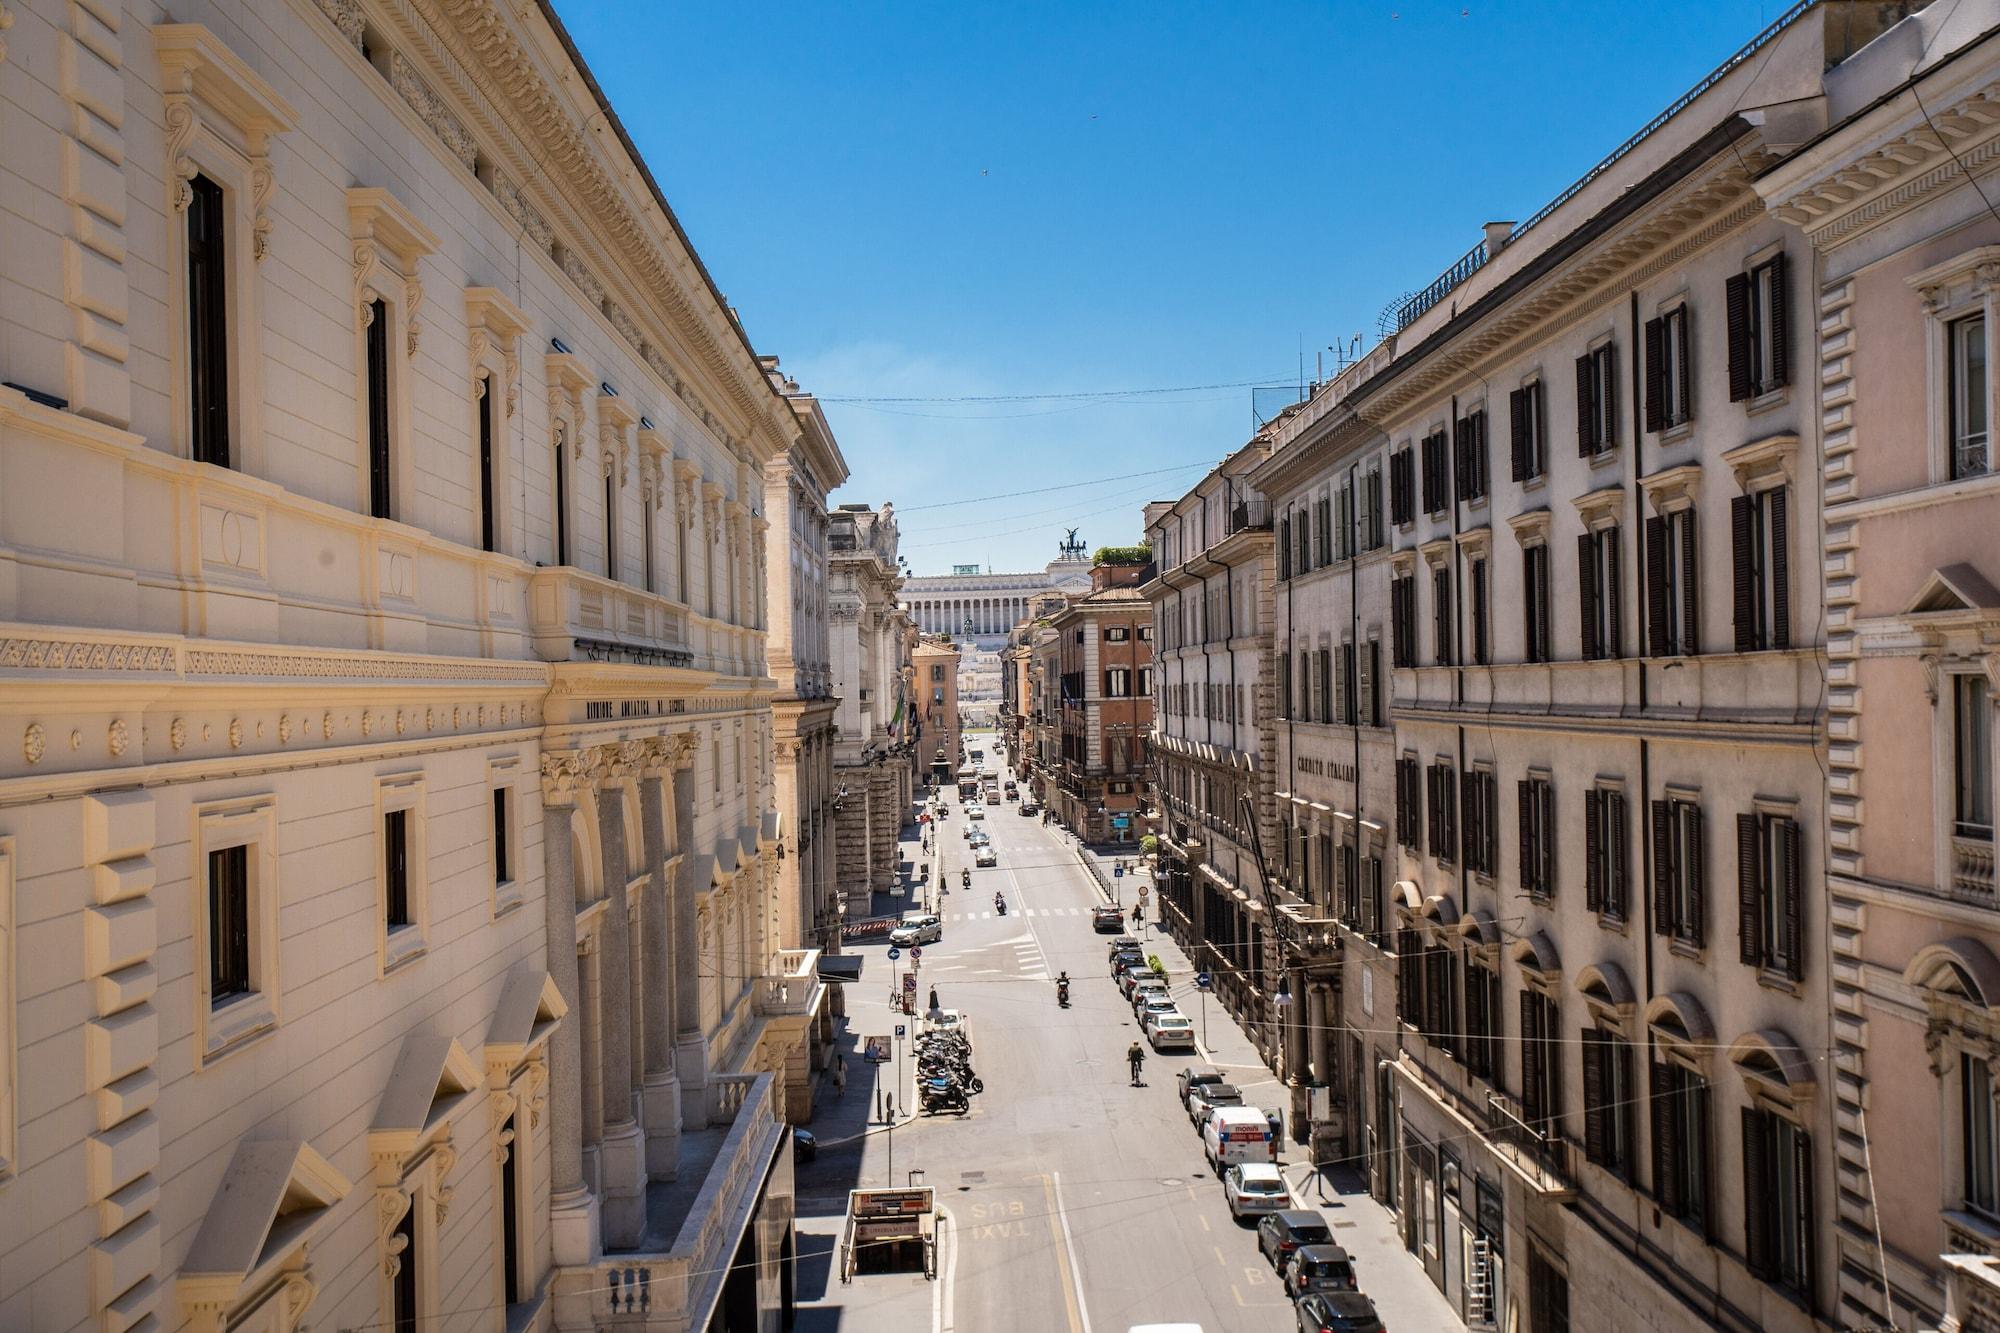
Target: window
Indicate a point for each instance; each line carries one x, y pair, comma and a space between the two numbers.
1372, 533
1323, 686
1770, 891
648, 535
1778, 1200
1980, 1149
486, 407
1524, 411
503, 869
1470, 469
1145, 634
1538, 836
1607, 1100
1678, 870
610, 519
1759, 337
1403, 619
1672, 612
1322, 531
937, 672
1966, 343
1535, 595
403, 1282
1597, 400
1116, 634
1482, 1020
1438, 1015
1443, 810
1285, 546
396, 868
1481, 821
1680, 1142
1371, 677
236, 935
1349, 689
1403, 487
1437, 471
1146, 680
1762, 580
400, 870
1669, 385
1118, 683
1972, 758
228, 924
1605, 844
513, 1190
1481, 652
1284, 683
1409, 805
1548, 1295
208, 322
1441, 616
1598, 583
559, 470
1541, 1063
376, 337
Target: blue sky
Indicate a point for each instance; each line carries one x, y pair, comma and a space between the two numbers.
937, 201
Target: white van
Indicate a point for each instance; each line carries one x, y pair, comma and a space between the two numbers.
1235, 1134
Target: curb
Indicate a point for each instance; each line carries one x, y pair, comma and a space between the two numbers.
872, 1129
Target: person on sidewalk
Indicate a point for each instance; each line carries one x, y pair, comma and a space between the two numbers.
839, 1073
934, 1003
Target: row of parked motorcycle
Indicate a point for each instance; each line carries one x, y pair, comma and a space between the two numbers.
945, 1078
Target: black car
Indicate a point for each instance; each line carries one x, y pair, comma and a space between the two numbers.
1126, 958
1326, 1268
804, 1145
1285, 1230
1337, 1312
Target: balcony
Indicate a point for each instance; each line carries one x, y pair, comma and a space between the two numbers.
792, 989
1972, 865
1251, 514
577, 616
1540, 1158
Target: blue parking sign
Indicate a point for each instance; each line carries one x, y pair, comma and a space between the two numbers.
1118, 872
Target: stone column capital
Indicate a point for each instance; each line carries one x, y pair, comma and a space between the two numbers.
681, 747
562, 773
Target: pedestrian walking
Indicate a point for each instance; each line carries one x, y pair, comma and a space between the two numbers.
934, 1000
839, 1073
1138, 915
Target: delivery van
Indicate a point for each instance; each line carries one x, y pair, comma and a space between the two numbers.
1233, 1134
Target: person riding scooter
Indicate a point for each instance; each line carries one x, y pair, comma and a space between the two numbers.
1000, 904
965, 878
1062, 990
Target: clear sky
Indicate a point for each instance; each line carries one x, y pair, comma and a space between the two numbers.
995, 201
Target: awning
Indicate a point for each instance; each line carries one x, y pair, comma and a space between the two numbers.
840, 967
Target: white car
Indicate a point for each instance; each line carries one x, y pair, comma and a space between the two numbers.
1255, 1187
975, 812
985, 856
1168, 1029
917, 928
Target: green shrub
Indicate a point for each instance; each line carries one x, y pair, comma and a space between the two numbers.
1122, 555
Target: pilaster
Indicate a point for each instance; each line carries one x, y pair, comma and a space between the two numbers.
572, 1207
91, 70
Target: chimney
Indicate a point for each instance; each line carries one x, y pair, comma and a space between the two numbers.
1496, 236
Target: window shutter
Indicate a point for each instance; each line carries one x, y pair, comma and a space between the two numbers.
1517, 422
1619, 1054
1694, 926
1461, 458
1656, 374
1548, 838
1524, 793
1482, 651
1781, 591
1742, 533
1593, 851
1441, 598
1586, 577
1480, 470
1586, 409
1608, 387
1663, 868
1750, 947
1608, 548
1756, 1193
1531, 1062
1656, 586
1594, 1051
1615, 853
1802, 1171
1793, 890
1666, 1141
1737, 306
1402, 806
1687, 366
1779, 371
1690, 643
1468, 792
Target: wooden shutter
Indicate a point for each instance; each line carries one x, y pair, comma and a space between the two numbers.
1793, 891
1482, 651
1663, 868
1802, 1171
1615, 853
1687, 366
1690, 643
1593, 850
1756, 1192
1475, 833
1656, 374
1742, 538
1781, 590
1750, 944
1594, 1109
1530, 608
1524, 793
1666, 1140
1517, 422
1402, 805
1693, 871
1780, 370
1586, 578
1608, 549
1480, 471
1546, 813
1441, 594
1607, 386
1586, 409
1737, 314
1656, 587
1531, 1061
1461, 459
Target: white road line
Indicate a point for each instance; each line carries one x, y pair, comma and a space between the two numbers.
1069, 1244
942, 1312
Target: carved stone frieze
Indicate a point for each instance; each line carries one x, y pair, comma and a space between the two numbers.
32, 654
430, 109
562, 774
346, 16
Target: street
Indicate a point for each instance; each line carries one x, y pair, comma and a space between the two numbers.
1074, 1200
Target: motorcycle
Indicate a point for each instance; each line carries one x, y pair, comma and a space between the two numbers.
999, 904
1062, 994
965, 879
941, 1094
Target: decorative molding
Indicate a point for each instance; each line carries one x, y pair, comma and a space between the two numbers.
22, 653
562, 775
345, 15
383, 227
516, 206
495, 321
200, 74
431, 109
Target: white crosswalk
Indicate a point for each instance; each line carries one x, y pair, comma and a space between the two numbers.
1021, 911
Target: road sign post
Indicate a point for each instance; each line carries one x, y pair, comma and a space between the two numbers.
1202, 982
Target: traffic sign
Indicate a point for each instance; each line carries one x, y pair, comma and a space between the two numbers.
1201, 980
901, 1032
916, 952
894, 953
1118, 872
1142, 890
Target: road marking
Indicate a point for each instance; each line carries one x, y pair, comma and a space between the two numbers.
1079, 1314
1204, 1222
942, 1311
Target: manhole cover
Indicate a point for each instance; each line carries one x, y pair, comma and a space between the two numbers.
979, 1178
1174, 1180
1338, 1225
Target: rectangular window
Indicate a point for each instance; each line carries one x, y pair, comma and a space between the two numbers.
1443, 812
1537, 800
1597, 400
1285, 546
486, 409
1469, 464
648, 536
1976, 1120
1770, 893
503, 870
1437, 471
1680, 1142
1541, 1063
610, 522
1669, 388
1972, 758
1409, 804
559, 469
1350, 697
1482, 1021
1672, 609
1372, 532
1403, 619
1599, 584
1118, 683
1524, 411
1481, 653
1481, 799
1759, 332
1548, 1295
1778, 1200
1606, 855
1116, 634
1402, 487
403, 1285
208, 322
1441, 616
1761, 577
228, 924
1967, 368
396, 869
1372, 681
1607, 1101
514, 1254
380, 497
1679, 872
1535, 613
1145, 634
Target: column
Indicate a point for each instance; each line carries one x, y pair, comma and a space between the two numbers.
573, 1208
690, 1047
623, 1152
660, 1090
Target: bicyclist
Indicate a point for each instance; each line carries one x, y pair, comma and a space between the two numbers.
1137, 1057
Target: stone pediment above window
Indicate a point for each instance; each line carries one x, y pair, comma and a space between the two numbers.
1476, 542
1958, 280
1960, 971
1955, 590
1538, 959
1672, 487
434, 1079
211, 95
1531, 528
1437, 553
496, 322
1767, 461
1608, 992
274, 1198
1482, 935
1774, 1067
1601, 507
530, 1008
388, 243
1680, 1023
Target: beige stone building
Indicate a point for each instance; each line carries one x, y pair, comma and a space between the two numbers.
1903, 305
939, 734
387, 838
1096, 764
873, 757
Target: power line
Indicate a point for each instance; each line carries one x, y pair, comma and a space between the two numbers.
1066, 486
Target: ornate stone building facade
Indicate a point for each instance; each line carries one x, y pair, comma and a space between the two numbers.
1098, 664
874, 760
387, 838
982, 609
935, 673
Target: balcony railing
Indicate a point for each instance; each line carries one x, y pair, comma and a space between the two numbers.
1250, 514
577, 616
1972, 867
792, 989
1541, 1157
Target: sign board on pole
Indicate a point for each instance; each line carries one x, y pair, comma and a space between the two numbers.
894, 953
1202, 980
1118, 872
1142, 890
875, 1049
910, 981
916, 953
901, 1032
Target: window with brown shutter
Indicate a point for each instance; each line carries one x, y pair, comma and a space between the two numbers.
1524, 415
1441, 614
1285, 547
1607, 1100
1778, 1214
1437, 472
1402, 487
1598, 583
1538, 833
1680, 1113
1469, 464
1482, 1020
1761, 570
1770, 893
1597, 400
1481, 652
1677, 869
1667, 374
1541, 1063
1758, 316
1535, 596
1593, 851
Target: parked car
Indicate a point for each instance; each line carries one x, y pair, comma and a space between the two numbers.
1195, 1076
975, 812
1148, 983
1107, 917
1255, 1187
804, 1146
985, 856
1280, 1233
1337, 1312
1318, 1267
1133, 974
951, 1020
1208, 1096
1124, 959
1122, 942
1028, 807
1169, 1029
1153, 1002
917, 928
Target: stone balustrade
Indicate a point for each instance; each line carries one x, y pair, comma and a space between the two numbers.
792, 987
